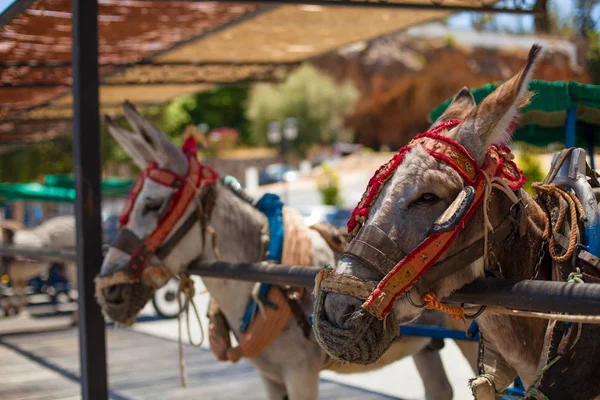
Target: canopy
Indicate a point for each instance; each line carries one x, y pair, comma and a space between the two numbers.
111, 187
58, 189
544, 120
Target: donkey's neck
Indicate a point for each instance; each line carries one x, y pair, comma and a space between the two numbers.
519, 340
239, 228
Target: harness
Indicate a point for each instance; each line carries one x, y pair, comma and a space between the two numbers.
374, 248
158, 243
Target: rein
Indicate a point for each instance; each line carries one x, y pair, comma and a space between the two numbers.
373, 247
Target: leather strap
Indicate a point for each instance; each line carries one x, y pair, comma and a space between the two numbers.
582, 255
373, 247
293, 296
129, 243
163, 251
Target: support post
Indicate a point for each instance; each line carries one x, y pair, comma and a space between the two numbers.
571, 125
86, 160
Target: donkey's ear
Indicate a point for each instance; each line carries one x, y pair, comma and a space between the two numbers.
493, 118
462, 104
166, 153
139, 152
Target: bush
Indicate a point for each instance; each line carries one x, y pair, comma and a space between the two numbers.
532, 168
328, 184
315, 100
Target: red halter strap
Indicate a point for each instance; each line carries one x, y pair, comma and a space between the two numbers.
408, 270
186, 187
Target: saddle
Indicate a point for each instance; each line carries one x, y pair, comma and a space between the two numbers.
278, 303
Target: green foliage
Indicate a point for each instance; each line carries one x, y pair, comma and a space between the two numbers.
36, 160
449, 40
593, 55
223, 106
328, 184
314, 99
532, 168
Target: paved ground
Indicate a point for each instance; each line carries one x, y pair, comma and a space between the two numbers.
46, 366
399, 380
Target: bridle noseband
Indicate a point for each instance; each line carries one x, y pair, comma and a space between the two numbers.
379, 252
186, 189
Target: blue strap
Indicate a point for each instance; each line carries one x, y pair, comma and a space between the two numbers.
270, 205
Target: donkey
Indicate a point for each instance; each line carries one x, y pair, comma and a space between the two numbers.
290, 364
426, 196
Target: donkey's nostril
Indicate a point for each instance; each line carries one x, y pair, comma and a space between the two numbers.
338, 308
114, 294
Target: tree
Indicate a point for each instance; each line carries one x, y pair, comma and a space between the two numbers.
314, 99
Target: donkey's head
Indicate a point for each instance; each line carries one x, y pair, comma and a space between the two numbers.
163, 222
404, 225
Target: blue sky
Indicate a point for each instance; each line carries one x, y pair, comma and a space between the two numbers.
4, 4
564, 8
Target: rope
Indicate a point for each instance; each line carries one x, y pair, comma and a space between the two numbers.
584, 319
565, 200
186, 288
434, 304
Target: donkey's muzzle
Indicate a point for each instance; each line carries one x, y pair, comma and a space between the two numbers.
349, 333
122, 302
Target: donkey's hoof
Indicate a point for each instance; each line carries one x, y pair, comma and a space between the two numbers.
482, 388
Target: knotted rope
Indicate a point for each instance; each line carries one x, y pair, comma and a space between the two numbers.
565, 200
186, 288
432, 303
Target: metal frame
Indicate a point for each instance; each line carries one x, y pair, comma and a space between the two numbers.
86, 157
394, 4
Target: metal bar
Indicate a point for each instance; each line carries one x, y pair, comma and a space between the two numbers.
540, 296
571, 125
45, 85
37, 254
86, 159
588, 130
257, 272
437, 332
388, 5
14, 10
150, 63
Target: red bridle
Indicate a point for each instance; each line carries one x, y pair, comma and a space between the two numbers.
186, 187
412, 267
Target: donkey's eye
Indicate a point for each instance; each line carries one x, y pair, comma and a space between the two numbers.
427, 198
152, 205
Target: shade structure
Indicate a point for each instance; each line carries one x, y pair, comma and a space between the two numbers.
544, 120
153, 51
58, 189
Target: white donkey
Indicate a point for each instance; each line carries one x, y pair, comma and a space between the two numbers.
289, 366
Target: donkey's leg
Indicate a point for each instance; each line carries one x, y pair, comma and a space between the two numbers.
471, 352
469, 349
496, 375
275, 390
430, 367
302, 382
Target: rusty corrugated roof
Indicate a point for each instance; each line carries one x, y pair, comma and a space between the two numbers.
153, 51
